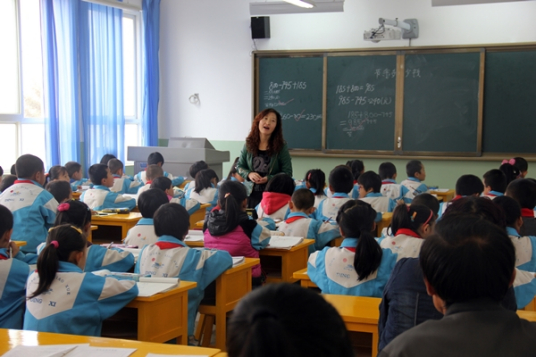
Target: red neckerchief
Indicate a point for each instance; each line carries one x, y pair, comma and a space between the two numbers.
355, 181
116, 176
350, 249
527, 212
217, 208
407, 232
24, 181
149, 182
273, 201
388, 182
168, 245
3, 257
457, 197
294, 219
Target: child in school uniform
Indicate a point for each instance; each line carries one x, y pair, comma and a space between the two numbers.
315, 180
164, 184
156, 158
524, 192
61, 190
390, 188
151, 173
33, 207
413, 185
229, 228
78, 214
494, 183
466, 185
61, 298
205, 190
143, 232
13, 275
100, 196
340, 181
170, 257
525, 246
122, 184
58, 173
7, 181
510, 171
370, 185
357, 168
194, 169
276, 198
359, 266
76, 177
299, 223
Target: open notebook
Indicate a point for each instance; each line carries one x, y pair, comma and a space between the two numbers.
194, 236
147, 285
285, 242
81, 350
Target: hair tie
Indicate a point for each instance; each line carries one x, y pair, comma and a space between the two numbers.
413, 216
64, 207
511, 162
309, 176
263, 314
227, 195
429, 218
55, 244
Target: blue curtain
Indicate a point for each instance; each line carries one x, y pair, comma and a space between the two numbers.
151, 72
101, 80
61, 88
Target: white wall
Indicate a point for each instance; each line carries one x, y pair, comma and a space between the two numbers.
205, 48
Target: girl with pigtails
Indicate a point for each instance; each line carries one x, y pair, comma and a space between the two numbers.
359, 266
229, 228
315, 180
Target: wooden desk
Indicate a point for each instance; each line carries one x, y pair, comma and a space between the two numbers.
291, 260
13, 338
76, 195
90, 236
125, 221
444, 196
527, 315
359, 314
183, 185
199, 215
384, 223
231, 286
304, 279
20, 243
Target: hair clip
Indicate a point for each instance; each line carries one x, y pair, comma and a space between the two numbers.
227, 195
64, 207
309, 177
511, 162
413, 216
73, 227
55, 244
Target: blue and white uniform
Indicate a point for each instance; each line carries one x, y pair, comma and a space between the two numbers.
170, 257
405, 244
175, 181
13, 276
298, 224
34, 212
332, 270
206, 195
524, 287
328, 208
318, 198
492, 194
525, 250
354, 193
190, 204
77, 183
100, 197
76, 302
391, 189
412, 187
125, 185
142, 233
279, 215
379, 202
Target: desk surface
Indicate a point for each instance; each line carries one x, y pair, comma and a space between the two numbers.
13, 338
356, 308
20, 243
183, 286
131, 217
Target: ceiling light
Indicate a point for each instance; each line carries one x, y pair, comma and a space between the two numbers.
302, 3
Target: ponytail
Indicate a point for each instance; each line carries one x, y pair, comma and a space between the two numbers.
230, 197
356, 220
510, 171
73, 212
61, 242
411, 217
233, 170
317, 180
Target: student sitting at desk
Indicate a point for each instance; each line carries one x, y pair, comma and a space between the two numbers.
299, 223
13, 275
100, 196
62, 298
359, 266
315, 180
522, 165
58, 173
276, 197
194, 169
205, 190
61, 190
494, 183
76, 177
370, 185
390, 188
170, 257
143, 232
229, 228
524, 192
156, 158
164, 184
357, 168
466, 185
340, 182
121, 184
510, 171
151, 173
413, 185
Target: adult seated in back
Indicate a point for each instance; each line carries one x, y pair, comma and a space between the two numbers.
468, 267
264, 154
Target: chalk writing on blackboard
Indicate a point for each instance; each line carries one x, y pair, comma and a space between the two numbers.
302, 116
364, 100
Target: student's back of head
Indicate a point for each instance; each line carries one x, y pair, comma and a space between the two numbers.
72, 168
61, 190
303, 199
341, 179
7, 181
151, 200
469, 185
468, 258
413, 167
13, 170
97, 173
106, 158
357, 167
58, 172
316, 179
495, 180
511, 209
478, 206
205, 179
153, 172
428, 200
76, 213
387, 170
232, 196
523, 191
281, 183
115, 166
161, 183
6, 221
286, 320
522, 165
414, 217
155, 158
171, 219
196, 167
510, 171
27, 166
370, 180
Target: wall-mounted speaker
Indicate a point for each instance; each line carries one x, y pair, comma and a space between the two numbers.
260, 27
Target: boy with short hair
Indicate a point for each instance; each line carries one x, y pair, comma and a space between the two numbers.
61, 190
151, 173
299, 223
164, 184
194, 169
74, 169
524, 192
370, 185
413, 185
466, 185
156, 158
390, 188
33, 207
494, 183
122, 184
340, 182
143, 233
100, 197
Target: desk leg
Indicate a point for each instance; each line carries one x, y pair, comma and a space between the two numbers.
375, 341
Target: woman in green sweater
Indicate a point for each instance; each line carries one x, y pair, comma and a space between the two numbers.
264, 154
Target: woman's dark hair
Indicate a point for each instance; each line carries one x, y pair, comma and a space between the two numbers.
7, 181
55, 172
521, 164
6, 220
357, 167
61, 190
233, 170
162, 183
468, 258
317, 181
411, 217
275, 143
356, 220
150, 200
523, 191
230, 197
66, 239
281, 183
286, 320
510, 171
74, 212
510, 207
171, 219
203, 178
106, 158
478, 206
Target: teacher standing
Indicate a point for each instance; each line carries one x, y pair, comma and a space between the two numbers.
265, 153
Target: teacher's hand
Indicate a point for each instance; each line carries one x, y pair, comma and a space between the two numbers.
256, 178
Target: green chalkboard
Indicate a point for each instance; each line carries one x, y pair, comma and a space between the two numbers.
510, 102
361, 94
441, 107
293, 86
